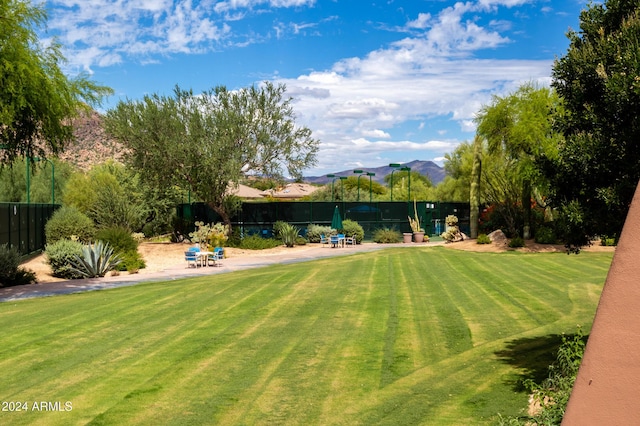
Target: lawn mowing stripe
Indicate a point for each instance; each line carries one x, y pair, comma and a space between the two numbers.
297, 367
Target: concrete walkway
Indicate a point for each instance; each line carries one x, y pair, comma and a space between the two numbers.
179, 271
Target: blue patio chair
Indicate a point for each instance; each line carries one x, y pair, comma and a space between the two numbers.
335, 241
192, 257
324, 240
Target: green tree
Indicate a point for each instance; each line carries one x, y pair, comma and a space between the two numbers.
209, 142
420, 185
36, 98
596, 171
13, 181
110, 194
519, 128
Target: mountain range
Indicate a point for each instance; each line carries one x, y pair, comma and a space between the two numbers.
427, 168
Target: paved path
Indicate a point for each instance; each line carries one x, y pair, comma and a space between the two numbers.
236, 263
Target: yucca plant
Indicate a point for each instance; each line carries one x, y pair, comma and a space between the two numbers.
96, 260
289, 234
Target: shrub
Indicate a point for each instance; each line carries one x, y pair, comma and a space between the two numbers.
516, 242
387, 236
352, 227
256, 242
59, 256
545, 235
288, 233
10, 271
69, 223
553, 393
95, 260
483, 239
119, 238
301, 241
315, 231
125, 246
210, 236
607, 241
279, 227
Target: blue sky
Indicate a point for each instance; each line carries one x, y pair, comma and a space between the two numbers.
376, 81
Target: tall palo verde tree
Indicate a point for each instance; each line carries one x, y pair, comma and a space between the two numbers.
207, 142
519, 128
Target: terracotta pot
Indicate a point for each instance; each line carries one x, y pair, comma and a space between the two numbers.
418, 237
406, 237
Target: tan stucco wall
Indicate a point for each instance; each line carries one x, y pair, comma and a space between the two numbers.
607, 390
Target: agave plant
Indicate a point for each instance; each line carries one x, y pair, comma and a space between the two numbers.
289, 233
96, 260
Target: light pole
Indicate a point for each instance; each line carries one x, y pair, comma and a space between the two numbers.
331, 176
408, 170
370, 174
359, 172
53, 177
342, 178
395, 166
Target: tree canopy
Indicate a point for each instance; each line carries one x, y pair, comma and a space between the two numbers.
207, 143
518, 127
596, 171
36, 97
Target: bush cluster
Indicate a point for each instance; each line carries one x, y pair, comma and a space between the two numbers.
516, 242
124, 245
10, 271
315, 231
483, 239
545, 235
256, 242
67, 223
387, 236
353, 228
60, 255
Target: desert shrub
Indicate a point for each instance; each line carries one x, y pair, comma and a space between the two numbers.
315, 231
119, 238
553, 393
210, 235
352, 227
483, 239
288, 233
516, 242
545, 235
59, 256
607, 241
301, 241
256, 242
10, 271
67, 223
95, 260
279, 227
386, 236
124, 245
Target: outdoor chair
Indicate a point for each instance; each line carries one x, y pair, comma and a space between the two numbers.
324, 240
335, 241
350, 240
215, 258
192, 257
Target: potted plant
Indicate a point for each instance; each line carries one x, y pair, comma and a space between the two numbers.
418, 232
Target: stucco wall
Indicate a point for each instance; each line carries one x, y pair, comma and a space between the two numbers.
607, 389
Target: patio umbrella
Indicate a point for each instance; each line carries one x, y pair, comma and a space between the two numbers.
336, 222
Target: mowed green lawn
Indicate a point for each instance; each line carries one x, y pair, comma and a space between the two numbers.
400, 336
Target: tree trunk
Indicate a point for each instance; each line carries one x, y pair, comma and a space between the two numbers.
226, 219
474, 195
